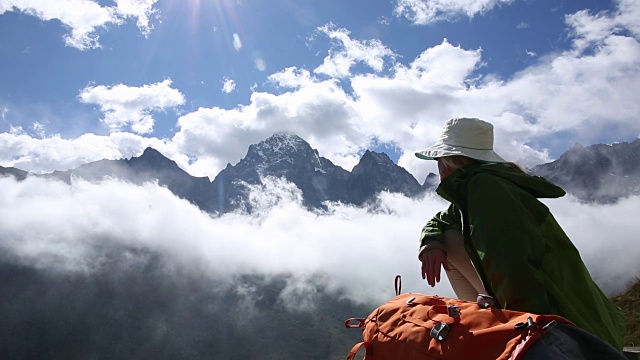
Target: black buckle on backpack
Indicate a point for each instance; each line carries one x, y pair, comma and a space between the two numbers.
532, 325
453, 311
485, 301
440, 331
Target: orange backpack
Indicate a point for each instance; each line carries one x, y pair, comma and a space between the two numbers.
418, 326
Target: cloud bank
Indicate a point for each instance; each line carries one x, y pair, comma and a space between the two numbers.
54, 227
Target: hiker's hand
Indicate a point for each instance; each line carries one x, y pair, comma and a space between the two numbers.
432, 261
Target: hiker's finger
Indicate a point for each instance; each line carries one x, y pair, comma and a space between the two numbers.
428, 260
432, 260
424, 267
437, 269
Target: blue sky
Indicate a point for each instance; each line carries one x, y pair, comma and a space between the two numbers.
200, 80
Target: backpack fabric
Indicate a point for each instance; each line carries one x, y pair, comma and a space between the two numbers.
418, 326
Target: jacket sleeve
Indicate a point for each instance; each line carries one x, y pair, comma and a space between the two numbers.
432, 236
504, 223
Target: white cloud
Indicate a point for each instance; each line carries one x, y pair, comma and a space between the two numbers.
124, 105
590, 29
423, 12
589, 91
343, 244
522, 25
603, 233
627, 16
16, 130
228, 85
320, 112
39, 129
84, 17
47, 154
292, 77
141, 10
346, 52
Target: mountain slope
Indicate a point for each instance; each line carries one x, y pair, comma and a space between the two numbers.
282, 155
148, 167
628, 301
376, 173
16, 173
139, 304
598, 173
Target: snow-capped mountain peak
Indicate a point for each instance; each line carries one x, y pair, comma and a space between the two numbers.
282, 148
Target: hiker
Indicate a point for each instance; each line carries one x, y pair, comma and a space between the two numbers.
497, 238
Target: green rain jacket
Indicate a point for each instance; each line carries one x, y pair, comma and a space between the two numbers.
522, 255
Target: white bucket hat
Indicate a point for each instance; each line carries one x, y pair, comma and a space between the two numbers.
464, 136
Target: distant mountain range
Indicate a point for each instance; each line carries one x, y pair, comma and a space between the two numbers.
598, 173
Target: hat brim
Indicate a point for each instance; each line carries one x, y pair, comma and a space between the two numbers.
441, 150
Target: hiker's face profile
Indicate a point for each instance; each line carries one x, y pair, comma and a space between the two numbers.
445, 170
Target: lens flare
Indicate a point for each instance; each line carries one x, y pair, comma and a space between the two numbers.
237, 43
258, 60
260, 64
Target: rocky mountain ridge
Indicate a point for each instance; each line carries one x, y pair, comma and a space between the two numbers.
283, 155
597, 173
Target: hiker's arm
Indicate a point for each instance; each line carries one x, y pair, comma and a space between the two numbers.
432, 235
432, 252
508, 243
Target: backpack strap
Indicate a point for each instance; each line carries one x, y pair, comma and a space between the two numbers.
354, 350
398, 284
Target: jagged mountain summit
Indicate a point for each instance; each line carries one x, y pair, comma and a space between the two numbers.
376, 172
283, 155
286, 155
597, 173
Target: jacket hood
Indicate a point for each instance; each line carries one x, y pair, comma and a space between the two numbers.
535, 185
